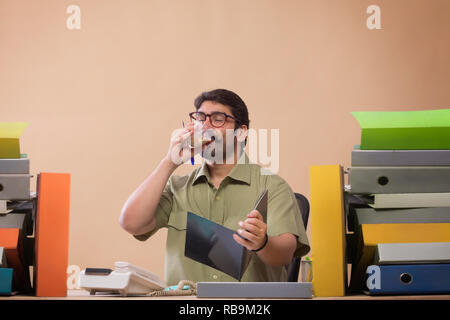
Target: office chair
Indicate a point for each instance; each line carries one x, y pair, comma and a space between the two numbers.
294, 267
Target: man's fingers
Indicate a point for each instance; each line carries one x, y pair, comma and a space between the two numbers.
185, 136
247, 235
255, 222
178, 134
241, 241
182, 136
253, 228
190, 125
255, 214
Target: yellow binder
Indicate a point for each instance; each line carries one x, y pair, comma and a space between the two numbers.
372, 234
9, 139
328, 231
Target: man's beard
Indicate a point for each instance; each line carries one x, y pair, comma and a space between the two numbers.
213, 152
220, 149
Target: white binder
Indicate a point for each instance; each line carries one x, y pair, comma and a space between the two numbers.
412, 253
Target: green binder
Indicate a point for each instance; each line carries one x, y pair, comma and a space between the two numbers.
404, 130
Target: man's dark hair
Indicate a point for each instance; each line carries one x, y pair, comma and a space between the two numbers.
227, 98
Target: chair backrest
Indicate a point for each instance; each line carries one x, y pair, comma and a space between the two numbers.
303, 204
294, 267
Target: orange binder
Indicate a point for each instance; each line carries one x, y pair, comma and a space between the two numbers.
52, 234
11, 241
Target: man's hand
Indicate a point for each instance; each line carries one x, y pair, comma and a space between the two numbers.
253, 229
179, 150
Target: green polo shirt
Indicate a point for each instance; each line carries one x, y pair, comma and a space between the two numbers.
227, 205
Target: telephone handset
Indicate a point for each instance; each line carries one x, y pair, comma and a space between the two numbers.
153, 279
128, 279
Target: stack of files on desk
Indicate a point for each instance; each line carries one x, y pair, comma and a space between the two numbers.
398, 189
17, 243
34, 228
17, 212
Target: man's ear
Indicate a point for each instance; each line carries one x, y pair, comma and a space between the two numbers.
241, 133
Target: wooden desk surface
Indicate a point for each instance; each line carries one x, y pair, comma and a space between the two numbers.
84, 295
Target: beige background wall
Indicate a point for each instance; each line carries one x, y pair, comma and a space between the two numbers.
102, 101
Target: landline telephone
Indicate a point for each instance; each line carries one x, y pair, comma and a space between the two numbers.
127, 279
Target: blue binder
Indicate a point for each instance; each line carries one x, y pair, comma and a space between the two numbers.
409, 279
6, 278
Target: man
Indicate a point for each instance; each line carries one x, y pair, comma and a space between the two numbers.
224, 189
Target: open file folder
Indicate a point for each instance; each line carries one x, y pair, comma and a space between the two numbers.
212, 244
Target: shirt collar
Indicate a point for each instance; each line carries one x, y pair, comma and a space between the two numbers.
240, 172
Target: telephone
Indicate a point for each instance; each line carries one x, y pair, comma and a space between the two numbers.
128, 279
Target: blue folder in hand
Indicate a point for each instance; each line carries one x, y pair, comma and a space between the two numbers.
409, 279
212, 244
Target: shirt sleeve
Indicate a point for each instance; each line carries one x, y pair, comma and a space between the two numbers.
162, 213
284, 216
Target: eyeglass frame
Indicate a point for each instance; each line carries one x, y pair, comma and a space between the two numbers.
211, 114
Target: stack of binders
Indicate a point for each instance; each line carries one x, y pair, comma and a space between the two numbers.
397, 203
17, 217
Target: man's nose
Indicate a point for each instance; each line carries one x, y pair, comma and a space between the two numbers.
207, 124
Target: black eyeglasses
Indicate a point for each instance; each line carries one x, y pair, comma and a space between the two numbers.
217, 119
